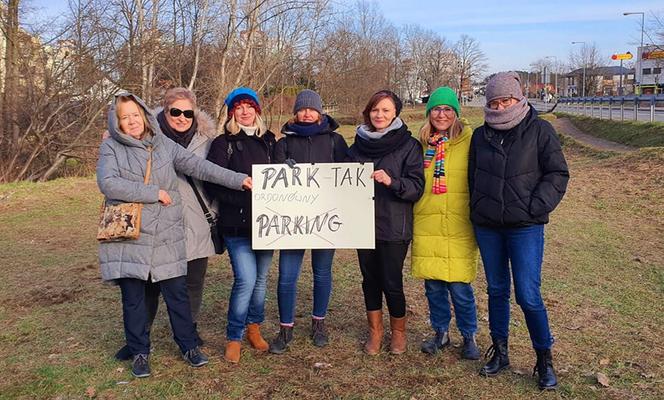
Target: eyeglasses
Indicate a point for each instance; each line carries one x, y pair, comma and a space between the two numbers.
176, 112
448, 111
505, 102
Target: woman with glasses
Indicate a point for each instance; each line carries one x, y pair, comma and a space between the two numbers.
134, 147
384, 140
517, 175
246, 141
185, 124
444, 251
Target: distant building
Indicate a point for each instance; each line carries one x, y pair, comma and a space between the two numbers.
650, 62
605, 81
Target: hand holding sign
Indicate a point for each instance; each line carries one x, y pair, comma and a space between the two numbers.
381, 176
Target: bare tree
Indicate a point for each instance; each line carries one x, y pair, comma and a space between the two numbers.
586, 57
471, 62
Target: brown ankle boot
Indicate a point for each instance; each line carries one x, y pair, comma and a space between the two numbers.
375, 319
255, 339
398, 341
232, 353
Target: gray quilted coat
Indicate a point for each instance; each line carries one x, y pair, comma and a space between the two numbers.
159, 252
197, 229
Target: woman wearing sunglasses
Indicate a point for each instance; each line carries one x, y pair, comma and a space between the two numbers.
444, 251
517, 175
246, 141
186, 125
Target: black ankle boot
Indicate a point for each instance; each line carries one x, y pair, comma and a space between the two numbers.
499, 359
435, 343
280, 343
544, 369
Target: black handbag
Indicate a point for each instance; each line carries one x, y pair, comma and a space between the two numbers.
217, 238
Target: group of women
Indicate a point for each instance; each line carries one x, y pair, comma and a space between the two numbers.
452, 193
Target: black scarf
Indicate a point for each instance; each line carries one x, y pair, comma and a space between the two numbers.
181, 138
385, 145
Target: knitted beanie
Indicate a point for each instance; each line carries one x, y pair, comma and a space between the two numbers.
239, 95
504, 84
443, 96
308, 99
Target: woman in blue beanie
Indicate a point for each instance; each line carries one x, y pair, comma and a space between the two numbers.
246, 141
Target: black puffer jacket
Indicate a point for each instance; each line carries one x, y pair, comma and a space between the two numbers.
394, 204
326, 147
237, 153
516, 177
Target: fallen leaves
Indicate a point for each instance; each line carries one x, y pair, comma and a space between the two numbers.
602, 379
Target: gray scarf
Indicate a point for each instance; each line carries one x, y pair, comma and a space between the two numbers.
506, 118
364, 132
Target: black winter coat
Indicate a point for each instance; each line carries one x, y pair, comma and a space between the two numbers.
326, 147
518, 176
394, 204
237, 153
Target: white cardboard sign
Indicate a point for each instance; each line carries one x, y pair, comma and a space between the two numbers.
313, 206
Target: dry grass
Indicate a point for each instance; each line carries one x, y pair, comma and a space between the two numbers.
603, 283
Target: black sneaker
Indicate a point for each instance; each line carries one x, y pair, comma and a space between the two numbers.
280, 343
318, 332
140, 367
124, 354
195, 357
440, 340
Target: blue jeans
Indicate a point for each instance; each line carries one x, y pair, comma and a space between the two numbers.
438, 294
523, 248
290, 265
250, 269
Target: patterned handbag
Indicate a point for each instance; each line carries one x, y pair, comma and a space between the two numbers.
122, 221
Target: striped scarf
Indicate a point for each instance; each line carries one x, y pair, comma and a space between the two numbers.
436, 151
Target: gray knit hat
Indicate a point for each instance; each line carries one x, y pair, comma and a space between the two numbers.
308, 99
504, 84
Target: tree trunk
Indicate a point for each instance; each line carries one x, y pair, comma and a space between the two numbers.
10, 95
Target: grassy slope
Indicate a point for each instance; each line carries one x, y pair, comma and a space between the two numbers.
631, 133
603, 285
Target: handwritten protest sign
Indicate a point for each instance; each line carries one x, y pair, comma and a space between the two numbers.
313, 206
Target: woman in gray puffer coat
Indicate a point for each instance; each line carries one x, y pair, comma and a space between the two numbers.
185, 124
159, 254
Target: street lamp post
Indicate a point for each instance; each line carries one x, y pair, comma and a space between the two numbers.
640, 56
583, 88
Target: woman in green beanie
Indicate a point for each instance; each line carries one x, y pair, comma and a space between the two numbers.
444, 251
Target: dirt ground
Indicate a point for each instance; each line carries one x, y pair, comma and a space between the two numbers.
603, 284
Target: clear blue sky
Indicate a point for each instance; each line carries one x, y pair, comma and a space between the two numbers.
512, 33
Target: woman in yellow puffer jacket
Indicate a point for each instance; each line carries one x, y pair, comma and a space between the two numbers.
444, 251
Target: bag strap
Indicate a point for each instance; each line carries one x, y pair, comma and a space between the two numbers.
148, 170
206, 211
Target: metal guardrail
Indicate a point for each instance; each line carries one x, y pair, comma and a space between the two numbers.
644, 107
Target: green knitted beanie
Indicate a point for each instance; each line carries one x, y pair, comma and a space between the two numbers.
443, 96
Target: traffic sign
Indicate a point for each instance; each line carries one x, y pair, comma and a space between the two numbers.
623, 56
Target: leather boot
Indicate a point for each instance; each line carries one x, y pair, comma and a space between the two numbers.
232, 352
255, 339
398, 341
544, 369
280, 343
499, 359
437, 342
318, 332
375, 319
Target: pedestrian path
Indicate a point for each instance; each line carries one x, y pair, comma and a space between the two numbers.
565, 127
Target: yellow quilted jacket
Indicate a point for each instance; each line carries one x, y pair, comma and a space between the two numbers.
444, 245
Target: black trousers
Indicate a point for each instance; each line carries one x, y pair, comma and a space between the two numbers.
135, 315
195, 279
382, 275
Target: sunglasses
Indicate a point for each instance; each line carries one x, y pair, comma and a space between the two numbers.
175, 112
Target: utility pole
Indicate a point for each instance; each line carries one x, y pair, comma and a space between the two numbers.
640, 55
583, 55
